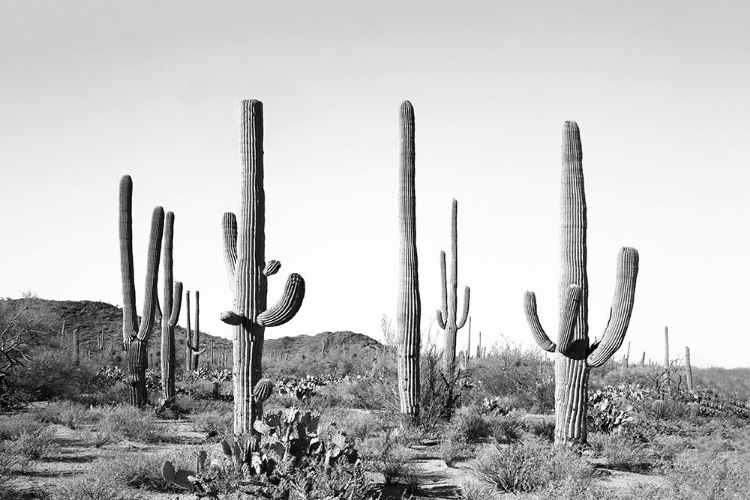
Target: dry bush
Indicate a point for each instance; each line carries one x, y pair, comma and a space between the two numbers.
131, 423
386, 455
67, 413
215, 423
621, 452
13, 426
528, 465
93, 485
34, 445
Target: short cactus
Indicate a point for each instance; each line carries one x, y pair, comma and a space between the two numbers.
263, 390
659, 407
574, 357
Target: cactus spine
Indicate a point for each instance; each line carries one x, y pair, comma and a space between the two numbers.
446, 317
244, 256
172, 300
134, 335
574, 357
409, 307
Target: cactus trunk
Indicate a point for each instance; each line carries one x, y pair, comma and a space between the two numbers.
76, 347
188, 336
574, 357
172, 299
244, 254
689, 370
196, 340
409, 308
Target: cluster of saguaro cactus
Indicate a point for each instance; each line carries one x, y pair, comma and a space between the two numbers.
171, 302
408, 306
247, 269
447, 316
135, 334
574, 357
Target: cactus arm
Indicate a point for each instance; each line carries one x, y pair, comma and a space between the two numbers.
231, 318
622, 308
541, 338
177, 305
443, 311
290, 302
152, 274
440, 319
571, 307
272, 268
130, 318
467, 295
229, 227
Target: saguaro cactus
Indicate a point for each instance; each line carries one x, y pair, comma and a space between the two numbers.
688, 370
195, 343
408, 306
574, 357
446, 317
667, 374
76, 347
247, 269
134, 336
172, 300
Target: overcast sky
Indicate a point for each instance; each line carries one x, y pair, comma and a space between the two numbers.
92, 90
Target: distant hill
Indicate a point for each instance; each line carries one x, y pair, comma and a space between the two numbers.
303, 354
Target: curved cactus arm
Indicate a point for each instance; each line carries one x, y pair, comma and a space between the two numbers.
272, 268
287, 306
622, 308
231, 318
130, 323
467, 296
229, 228
177, 304
440, 319
529, 307
148, 317
571, 307
195, 351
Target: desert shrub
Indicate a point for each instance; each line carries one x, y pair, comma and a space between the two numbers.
372, 393
529, 465
386, 455
143, 470
666, 448
214, 423
131, 423
541, 428
95, 438
474, 489
451, 451
8, 461
507, 430
13, 426
469, 425
622, 452
700, 475
34, 445
189, 404
357, 424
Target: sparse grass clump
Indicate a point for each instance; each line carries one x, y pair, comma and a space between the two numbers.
93, 485
699, 474
528, 465
622, 452
214, 423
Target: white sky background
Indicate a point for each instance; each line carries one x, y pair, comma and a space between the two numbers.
93, 90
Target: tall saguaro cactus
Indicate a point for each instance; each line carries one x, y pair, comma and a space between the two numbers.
172, 300
135, 336
408, 306
188, 336
247, 269
446, 317
574, 357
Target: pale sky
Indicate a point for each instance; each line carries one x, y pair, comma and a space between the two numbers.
92, 90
